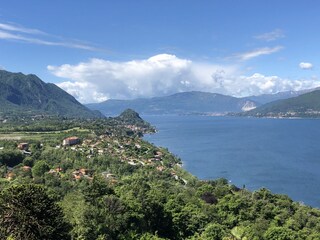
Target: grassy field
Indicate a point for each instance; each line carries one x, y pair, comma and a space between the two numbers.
37, 136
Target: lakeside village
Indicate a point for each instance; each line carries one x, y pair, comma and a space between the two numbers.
130, 150
111, 184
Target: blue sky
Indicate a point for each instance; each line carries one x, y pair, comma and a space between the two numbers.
98, 50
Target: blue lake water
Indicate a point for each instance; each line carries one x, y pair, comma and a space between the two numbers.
282, 155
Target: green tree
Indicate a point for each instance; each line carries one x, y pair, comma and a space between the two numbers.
75, 209
280, 233
11, 158
28, 161
213, 231
27, 212
40, 168
149, 236
97, 188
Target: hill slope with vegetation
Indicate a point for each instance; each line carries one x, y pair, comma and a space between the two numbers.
111, 184
27, 94
305, 105
267, 98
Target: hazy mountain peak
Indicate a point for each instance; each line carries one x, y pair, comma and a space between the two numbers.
194, 102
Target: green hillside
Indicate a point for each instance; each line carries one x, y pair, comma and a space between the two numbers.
28, 94
305, 105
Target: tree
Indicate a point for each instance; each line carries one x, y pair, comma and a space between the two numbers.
27, 212
40, 168
149, 236
97, 188
11, 158
75, 209
213, 231
28, 161
280, 233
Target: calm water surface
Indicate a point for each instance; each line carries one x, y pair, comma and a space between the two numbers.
282, 155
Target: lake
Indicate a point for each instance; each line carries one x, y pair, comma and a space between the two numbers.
282, 155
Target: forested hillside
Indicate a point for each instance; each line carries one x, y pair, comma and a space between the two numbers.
28, 95
111, 184
305, 105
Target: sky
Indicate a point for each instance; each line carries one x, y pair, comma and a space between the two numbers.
101, 49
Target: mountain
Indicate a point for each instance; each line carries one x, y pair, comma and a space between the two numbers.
266, 98
29, 95
179, 103
305, 105
130, 116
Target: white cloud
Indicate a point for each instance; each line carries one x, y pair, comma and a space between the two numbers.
98, 79
15, 28
260, 84
306, 65
271, 36
34, 36
257, 52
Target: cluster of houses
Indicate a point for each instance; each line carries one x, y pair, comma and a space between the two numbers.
122, 148
134, 128
10, 174
56, 170
82, 173
116, 147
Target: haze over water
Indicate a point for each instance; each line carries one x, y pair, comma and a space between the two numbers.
282, 155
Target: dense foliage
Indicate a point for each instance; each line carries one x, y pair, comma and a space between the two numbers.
27, 212
114, 185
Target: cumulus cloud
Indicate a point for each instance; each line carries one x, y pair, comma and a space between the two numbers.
97, 80
35, 36
257, 52
271, 36
306, 65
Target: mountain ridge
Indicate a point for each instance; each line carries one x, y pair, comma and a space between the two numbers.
28, 94
305, 105
193, 102
266, 98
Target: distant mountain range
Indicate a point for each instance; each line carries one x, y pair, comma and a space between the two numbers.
179, 103
190, 103
28, 95
305, 105
266, 98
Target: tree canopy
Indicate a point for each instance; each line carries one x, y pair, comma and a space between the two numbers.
27, 212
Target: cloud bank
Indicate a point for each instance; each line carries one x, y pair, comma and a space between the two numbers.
97, 80
306, 65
